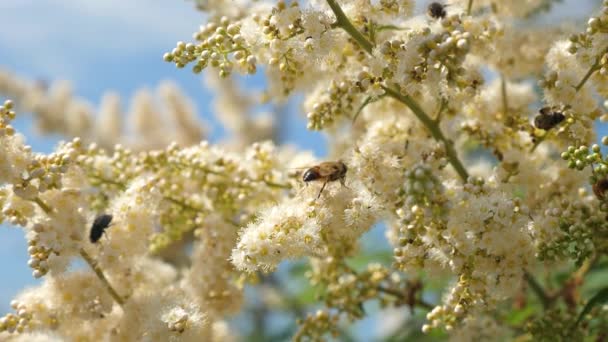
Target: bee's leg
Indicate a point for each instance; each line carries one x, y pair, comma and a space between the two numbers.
320, 191
343, 182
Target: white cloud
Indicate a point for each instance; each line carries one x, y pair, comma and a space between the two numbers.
61, 38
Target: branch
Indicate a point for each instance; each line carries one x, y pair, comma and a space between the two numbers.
101, 276
433, 127
469, 7
595, 67
343, 22
87, 258
42, 205
538, 290
401, 296
505, 102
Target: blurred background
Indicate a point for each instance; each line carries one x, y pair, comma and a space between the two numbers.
118, 45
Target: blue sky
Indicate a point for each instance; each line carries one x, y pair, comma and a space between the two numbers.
106, 45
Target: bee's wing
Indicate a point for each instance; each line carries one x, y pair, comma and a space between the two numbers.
328, 168
299, 168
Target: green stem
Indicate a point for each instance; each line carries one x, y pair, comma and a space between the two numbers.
401, 296
505, 102
42, 205
469, 7
539, 140
433, 127
343, 22
442, 106
88, 259
119, 185
595, 67
538, 290
101, 276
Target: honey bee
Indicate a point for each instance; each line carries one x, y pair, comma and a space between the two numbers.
548, 118
436, 10
326, 172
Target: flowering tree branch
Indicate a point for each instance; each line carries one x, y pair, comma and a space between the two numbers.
91, 262
595, 67
192, 222
343, 22
433, 127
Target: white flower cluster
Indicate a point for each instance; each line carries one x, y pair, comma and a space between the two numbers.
407, 103
156, 123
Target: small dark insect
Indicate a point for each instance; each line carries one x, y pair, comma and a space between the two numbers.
600, 187
436, 10
548, 118
326, 172
100, 224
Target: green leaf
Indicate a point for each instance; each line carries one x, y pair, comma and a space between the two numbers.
600, 298
517, 317
595, 281
307, 296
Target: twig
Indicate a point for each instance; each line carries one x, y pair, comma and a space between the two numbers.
538, 290
93, 264
88, 259
343, 22
433, 127
595, 67
503, 90
42, 205
401, 296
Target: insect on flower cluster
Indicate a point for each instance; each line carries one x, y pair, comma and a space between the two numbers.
326, 172
100, 224
451, 153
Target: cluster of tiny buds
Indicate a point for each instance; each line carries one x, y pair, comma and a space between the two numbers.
38, 254
316, 325
15, 217
550, 81
594, 25
420, 182
16, 322
341, 100
122, 162
449, 314
577, 242
289, 68
420, 190
581, 157
43, 173
556, 324
218, 42
474, 185
449, 48
271, 31
6, 116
